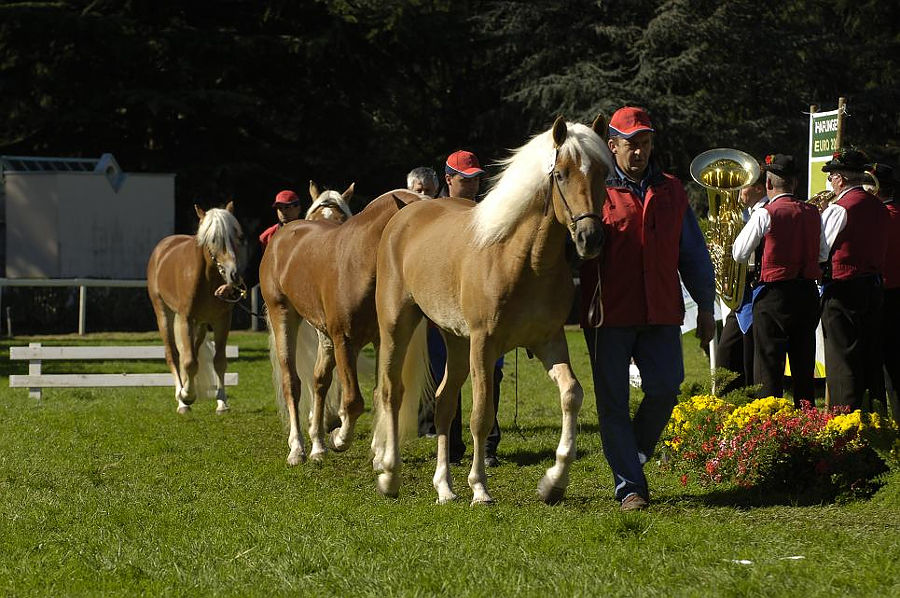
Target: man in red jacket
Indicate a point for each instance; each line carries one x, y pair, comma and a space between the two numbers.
288, 207
856, 238
632, 305
787, 235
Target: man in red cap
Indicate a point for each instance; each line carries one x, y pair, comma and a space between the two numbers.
632, 305
856, 240
287, 205
462, 173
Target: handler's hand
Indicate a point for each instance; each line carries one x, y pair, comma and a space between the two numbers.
706, 327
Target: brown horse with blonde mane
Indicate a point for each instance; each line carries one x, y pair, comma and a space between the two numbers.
492, 276
193, 283
328, 204
323, 272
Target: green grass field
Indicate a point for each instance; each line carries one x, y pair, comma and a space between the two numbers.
109, 492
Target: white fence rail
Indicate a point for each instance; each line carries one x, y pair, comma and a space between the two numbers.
35, 380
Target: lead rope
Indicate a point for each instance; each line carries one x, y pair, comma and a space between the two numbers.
516, 426
596, 303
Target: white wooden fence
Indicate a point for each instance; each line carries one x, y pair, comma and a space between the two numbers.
35, 380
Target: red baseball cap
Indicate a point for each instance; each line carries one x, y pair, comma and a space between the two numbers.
463, 163
286, 198
629, 121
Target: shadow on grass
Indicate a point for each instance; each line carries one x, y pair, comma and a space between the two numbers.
755, 497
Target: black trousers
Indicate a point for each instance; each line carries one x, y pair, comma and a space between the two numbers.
851, 321
891, 334
785, 316
734, 352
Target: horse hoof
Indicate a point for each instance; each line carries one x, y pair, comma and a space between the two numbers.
223, 410
388, 485
447, 498
317, 456
297, 459
184, 409
482, 500
336, 443
549, 493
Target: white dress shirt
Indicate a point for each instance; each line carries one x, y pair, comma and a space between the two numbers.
834, 219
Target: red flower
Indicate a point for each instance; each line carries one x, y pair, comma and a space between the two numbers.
770, 158
684, 479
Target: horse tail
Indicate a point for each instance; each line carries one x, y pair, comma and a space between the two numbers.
305, 359
206, 380
418, 384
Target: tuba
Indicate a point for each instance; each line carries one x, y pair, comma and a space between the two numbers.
724, 172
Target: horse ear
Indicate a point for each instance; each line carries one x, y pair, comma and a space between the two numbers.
599, 125
349, 192
230, 206
559, 131
313, 190
399, 200
200, 212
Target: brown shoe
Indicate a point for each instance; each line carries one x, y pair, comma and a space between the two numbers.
634, 502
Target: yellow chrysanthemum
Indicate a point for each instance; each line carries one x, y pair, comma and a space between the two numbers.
767, 408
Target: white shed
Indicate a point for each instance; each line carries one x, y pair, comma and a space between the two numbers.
80, 218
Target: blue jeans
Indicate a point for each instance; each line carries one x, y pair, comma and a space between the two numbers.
657, 353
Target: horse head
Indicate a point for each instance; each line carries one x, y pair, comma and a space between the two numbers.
577, 186
222, 239
329, 205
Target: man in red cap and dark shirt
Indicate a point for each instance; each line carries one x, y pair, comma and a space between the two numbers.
787, 235
462, 173
856, 239
887, 180
288, 208
632, 305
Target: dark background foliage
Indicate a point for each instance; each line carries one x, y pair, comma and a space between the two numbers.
242, 98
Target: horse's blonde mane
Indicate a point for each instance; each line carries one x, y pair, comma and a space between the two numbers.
333, 197
217, 230
523, 176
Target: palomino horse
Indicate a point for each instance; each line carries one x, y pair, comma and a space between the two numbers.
193, 284
324, 273
328, 204
492, 277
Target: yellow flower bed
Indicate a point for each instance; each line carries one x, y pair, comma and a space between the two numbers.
767, 408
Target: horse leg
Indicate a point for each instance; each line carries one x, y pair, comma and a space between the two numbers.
351, 397
396, 327
482, 418
456, 371
187, 362
220, 363
555, 357
322, 376
164, 317
284, 323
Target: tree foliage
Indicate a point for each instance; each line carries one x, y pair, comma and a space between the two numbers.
242, 98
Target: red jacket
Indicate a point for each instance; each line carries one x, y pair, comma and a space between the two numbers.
860, 248
892, 258
791, 247
639, 264
267, 234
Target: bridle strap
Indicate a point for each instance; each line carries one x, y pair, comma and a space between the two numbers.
573, 219
241, 288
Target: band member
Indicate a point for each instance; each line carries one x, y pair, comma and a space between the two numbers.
734, 351
891, 321
856, 239
785, 312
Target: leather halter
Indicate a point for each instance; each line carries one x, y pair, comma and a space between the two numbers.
241, 287
573, 220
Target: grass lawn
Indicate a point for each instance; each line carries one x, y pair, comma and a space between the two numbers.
109, 492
